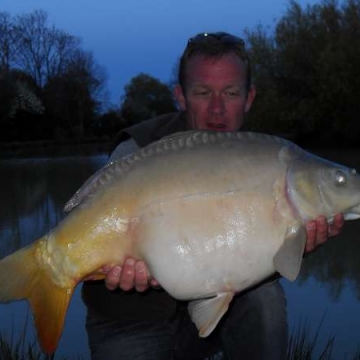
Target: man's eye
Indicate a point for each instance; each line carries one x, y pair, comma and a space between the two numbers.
232, 93
202, 93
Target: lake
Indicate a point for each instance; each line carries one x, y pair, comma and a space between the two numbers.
34, 191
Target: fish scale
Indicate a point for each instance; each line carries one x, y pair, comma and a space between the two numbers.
169, 143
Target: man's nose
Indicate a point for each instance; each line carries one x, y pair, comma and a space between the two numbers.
216, 105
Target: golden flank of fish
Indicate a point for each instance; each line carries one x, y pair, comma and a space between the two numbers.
210, 213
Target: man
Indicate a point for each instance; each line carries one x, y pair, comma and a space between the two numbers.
214, 93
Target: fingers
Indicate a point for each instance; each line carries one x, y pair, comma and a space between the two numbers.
318, 231
311, 236
141, 276
337, 224
322, 228
154, 284
127, 276
113, 277
132, 275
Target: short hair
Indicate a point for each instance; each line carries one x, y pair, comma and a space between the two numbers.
214, 45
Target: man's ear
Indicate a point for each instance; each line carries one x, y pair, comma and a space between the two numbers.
180, 97
250, 98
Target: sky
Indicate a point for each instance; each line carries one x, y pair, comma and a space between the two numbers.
128, 37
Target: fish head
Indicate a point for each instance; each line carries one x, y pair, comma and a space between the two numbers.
317, 186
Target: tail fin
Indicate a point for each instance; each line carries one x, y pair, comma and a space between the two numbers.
21, 277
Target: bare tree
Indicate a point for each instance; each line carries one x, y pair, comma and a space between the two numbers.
64, 48
73, 97
43, 51
8, 44
67, 85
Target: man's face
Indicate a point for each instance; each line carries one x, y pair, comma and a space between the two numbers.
215, 97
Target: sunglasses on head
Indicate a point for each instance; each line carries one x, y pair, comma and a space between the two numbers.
222, 37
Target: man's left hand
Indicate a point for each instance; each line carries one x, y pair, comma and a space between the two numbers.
318, 231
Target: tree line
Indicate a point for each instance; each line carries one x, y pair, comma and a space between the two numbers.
49, 86
305, 69
307, 72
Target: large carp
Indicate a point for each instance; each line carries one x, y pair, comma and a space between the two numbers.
211, 214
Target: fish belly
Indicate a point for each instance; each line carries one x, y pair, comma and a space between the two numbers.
200, 245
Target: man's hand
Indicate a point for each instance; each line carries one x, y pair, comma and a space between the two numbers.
318, 231
134, 274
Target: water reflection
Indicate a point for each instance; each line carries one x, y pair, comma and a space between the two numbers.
329, 282
34, 191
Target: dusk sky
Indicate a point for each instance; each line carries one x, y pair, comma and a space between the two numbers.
129, 37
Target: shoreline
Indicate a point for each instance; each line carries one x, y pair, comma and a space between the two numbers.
94, 146
51, 148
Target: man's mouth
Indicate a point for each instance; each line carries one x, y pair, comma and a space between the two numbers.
217, 127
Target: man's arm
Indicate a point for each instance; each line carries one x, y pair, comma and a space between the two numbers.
135, 275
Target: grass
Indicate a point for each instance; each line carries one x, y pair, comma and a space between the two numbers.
305, 346
302, 346
21, 348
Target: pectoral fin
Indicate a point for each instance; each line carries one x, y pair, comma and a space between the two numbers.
288, 259
206, 313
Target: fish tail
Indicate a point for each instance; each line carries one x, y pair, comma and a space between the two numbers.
21, 277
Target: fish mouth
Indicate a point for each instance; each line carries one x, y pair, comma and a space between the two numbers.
353, 214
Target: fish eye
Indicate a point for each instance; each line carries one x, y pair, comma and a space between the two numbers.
340, 178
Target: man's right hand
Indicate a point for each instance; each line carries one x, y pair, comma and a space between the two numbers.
134, 274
